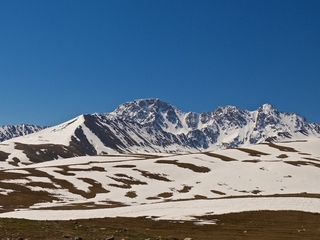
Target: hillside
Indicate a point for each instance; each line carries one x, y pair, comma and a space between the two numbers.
269, 176
230, 172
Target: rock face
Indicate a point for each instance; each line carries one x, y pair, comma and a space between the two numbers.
11, 131
152, 125
225, 127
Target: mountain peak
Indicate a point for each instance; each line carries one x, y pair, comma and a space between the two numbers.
144, 104
266, 108
144, 110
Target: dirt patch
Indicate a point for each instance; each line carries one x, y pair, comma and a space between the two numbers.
125, 166
97, 169
194, 168
218, 192
165, 195
42, 185
126, 186
145, 156
185, 189
92, 169
156, 176
126, 181
200, 197
131, 194
14, 162
65, 172
152, 198
222, 157
4, 175
63, 183
302, 194
4, 156
256, 191
95, 187
85, 206
22, 197
304, 153
20, 200
242, 191
281, 148
303, 163
252, 152
312, 159
251, 161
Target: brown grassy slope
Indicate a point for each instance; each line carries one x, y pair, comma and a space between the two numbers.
261, 225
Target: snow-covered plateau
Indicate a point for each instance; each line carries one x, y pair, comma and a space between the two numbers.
266, 176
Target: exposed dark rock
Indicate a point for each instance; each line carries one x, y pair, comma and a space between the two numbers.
11, 131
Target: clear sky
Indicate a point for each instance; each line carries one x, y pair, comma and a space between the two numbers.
63, 58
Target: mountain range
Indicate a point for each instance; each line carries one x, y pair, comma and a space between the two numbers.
12, 131
152, 126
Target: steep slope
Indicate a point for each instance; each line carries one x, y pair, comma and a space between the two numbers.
88, 135
154, 126
66, 140
11, 131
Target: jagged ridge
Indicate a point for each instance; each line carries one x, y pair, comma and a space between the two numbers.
152, 125
12, 131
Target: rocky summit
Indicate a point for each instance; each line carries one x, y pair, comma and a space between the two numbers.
154, 126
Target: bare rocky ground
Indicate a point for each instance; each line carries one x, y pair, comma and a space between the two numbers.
246, 225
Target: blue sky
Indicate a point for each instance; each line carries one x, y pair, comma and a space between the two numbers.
60, 58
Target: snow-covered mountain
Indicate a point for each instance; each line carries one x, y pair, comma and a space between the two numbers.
152, 125
225, 127
11, 131
132, 168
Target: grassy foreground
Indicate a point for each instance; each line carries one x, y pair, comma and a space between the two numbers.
247, 225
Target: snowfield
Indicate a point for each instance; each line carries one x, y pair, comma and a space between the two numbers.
281, 176
178, 211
